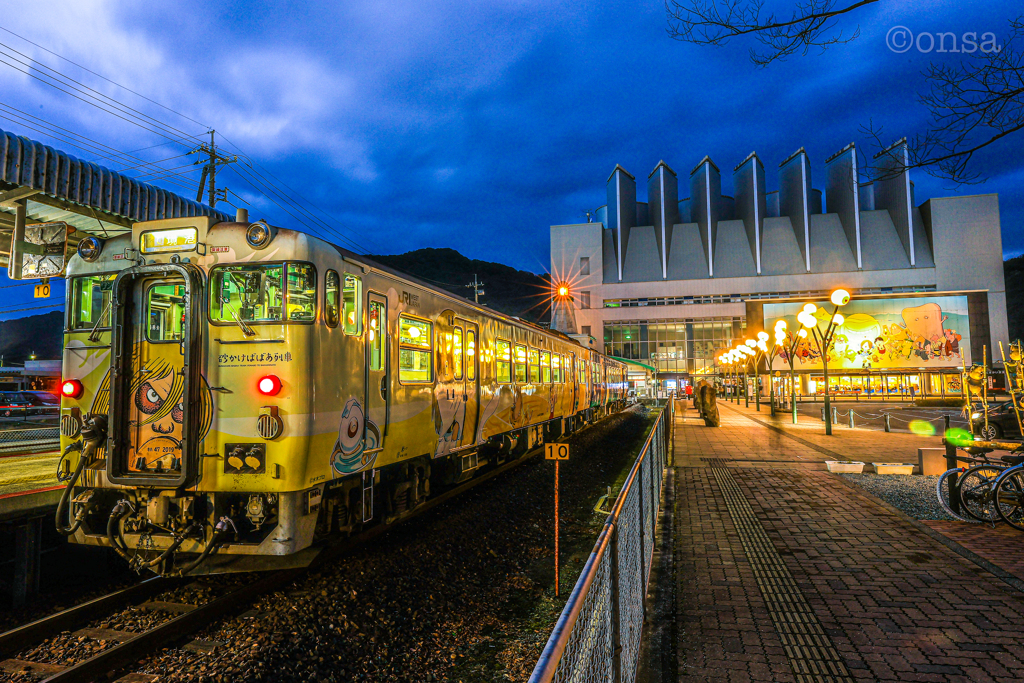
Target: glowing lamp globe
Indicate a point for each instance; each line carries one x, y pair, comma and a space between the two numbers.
840, 297
838, 319
810, 309
563, 290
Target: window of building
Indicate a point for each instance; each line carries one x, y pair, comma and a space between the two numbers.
471, 355
503, 358
584, 265
545, 367
584, 299
353, 297
520, 363
415, 344
585, 329
332, 294
534, 356
376, 334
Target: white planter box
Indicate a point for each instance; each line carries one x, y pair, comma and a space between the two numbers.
845, 466
892, 468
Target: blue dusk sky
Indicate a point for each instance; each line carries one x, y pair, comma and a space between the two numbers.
474, 125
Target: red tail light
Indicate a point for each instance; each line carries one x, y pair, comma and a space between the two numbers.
269, 385
72, 388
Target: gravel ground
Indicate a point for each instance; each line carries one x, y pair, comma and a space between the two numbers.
463, 593
914, 495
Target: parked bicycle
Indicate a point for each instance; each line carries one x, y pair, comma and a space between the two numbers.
976, 487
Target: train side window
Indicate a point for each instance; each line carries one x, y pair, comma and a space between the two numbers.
376, 334
301, 292
556, 369
457, 349
534, 357
471, 355
520, 362
545, 367
353, 298
415, 350
332, 293
503, 358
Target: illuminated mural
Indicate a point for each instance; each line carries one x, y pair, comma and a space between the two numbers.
917, 332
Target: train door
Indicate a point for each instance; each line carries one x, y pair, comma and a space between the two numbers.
157, 411
574, 384
466, 335
378, 375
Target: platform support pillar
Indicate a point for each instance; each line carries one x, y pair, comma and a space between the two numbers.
28, 540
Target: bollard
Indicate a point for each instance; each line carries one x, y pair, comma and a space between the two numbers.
851, 418
954, 488
887, 427
945, 419
822, 414
835, 415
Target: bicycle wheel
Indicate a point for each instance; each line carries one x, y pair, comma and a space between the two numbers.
942, 492
1010, 498
976, 492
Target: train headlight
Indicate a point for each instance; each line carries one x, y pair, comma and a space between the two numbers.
259, 235
269, 385
72, 388
89, 248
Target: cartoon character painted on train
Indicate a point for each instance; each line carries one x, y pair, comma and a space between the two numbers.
350, 453
156, 413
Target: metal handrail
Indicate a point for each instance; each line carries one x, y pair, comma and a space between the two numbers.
554, 649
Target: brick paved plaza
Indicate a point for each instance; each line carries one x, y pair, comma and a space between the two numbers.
785, 572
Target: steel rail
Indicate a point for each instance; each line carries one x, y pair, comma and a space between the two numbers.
18, 638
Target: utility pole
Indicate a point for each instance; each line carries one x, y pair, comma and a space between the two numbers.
477, 287
213, 158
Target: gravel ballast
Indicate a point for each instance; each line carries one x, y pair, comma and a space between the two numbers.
914, 495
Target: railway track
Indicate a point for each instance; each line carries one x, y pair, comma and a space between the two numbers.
132, 646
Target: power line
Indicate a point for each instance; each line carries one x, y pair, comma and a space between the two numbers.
103, 77
31, 308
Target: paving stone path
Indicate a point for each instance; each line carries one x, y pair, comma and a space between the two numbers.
786, 573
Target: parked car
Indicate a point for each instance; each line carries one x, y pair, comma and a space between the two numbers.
13, 403
45, 402
1002, 422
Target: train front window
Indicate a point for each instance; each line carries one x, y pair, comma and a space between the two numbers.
165, 312
301, 292
250, 293
503, 359
90, 301
415, 343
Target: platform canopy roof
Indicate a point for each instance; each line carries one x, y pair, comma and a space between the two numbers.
94, 200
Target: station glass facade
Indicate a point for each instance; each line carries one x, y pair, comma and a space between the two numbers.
687, 345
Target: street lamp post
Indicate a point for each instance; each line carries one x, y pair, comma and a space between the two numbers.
840, 297
780, 337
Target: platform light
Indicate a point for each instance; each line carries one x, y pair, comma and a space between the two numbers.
269, 385
72, 388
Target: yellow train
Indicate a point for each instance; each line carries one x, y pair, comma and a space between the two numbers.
233, 393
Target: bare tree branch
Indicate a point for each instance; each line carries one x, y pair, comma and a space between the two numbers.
714, 22
973, 105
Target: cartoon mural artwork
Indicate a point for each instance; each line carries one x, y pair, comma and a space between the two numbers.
885, 333
350, 450
156, 414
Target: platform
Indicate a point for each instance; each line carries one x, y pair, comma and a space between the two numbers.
785, 572
28, 483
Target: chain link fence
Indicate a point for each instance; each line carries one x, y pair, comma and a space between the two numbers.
597, 636
29, 439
